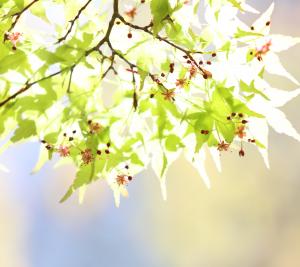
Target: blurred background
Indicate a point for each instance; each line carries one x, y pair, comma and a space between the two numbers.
250, 216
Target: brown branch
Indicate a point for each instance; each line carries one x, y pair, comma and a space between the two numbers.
204, 72
70, 80
18, 15
105, 39
28, 85
102, 41
111, 67
73, 22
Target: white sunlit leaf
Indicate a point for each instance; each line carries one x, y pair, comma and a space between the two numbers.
274, 66
260, 24
283, 42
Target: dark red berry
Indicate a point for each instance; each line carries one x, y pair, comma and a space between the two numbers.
107, 151
143, 1
252, 28
205, 76
188, 62
162, 75
65, 134
186, 57
268, 23
244, 121
99, 152
200, 62
241, 115
228, 118
129, 178
108, 144
213, 54
71, 138
127, 167
152, 95
241, 153
43, 141
74, 132
208, 62
89, 121
48, 147
129, 35
233, 114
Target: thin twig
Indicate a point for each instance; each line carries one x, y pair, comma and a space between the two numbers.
72, 22
18, 15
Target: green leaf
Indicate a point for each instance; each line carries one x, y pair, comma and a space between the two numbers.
173, 143
26, 129
13, 61
160, 9
236, 4
241, 33
84, 175
19, 4
251, 89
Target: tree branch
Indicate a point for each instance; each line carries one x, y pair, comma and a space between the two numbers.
18, 15
29, 85
73, 22
116, 15
203, 71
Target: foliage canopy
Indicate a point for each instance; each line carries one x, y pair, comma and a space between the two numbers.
112, 88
